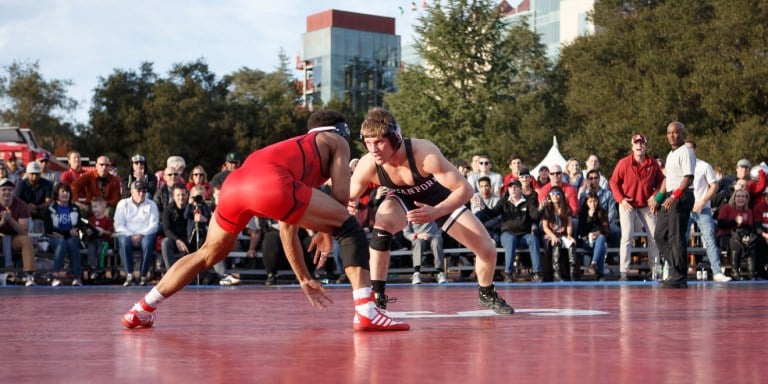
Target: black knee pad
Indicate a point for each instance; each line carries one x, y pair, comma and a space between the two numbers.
353, 244
381, 240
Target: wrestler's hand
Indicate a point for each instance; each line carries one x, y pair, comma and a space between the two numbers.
316, 294
423, 214
322, 244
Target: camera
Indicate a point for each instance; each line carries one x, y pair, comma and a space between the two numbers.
198, 199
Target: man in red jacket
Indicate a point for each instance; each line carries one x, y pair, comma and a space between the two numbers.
635, 180
98, 182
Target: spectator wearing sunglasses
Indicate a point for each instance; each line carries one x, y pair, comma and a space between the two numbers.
556, 180
139, 173
199, 177
163, 198
484, 169
98, 182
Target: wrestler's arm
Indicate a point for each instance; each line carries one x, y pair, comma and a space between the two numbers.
289, 237
365, 173
338, 152
433, 162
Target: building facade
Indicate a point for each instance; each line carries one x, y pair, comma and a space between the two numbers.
348, 56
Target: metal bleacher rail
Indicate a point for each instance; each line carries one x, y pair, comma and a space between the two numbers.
638, 263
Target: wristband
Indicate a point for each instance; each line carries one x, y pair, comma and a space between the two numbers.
676, 194
659, 197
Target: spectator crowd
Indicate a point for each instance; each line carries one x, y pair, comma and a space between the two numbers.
558, 213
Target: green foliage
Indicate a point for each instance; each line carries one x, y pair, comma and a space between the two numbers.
483, 86
36, 102
700, 62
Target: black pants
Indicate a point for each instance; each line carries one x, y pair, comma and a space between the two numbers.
671, 226
274, 254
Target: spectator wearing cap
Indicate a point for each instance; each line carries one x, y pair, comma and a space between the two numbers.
754, 187
136, 224
528, 184
231, 162
44, 159
35, 191
98, 182
635, 180
14, 223
14, 167
139, 172
519, 217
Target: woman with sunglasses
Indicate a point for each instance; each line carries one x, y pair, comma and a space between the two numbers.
557, 224
198, 177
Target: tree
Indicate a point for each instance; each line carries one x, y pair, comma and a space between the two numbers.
700, 62
37, 103
263, 106
118, 116
185, 117
478, 81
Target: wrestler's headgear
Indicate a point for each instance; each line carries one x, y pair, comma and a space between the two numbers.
394, 134
343, 130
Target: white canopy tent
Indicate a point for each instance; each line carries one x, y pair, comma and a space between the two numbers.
553, 157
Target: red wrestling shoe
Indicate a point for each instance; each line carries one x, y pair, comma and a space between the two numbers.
132, 319
369, 318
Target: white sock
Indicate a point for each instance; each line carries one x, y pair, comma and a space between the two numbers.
153, 298
361, 293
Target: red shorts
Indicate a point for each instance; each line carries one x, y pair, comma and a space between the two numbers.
269, 191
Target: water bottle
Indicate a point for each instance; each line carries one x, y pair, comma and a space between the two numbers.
655, 269
665, 272
704, 275
698, 274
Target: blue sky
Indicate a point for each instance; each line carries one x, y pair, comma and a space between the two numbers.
82, 40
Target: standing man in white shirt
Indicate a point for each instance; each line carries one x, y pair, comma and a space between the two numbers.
676, 199
704, 187
136, 224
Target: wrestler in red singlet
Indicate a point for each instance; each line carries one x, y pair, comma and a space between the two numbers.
259, 188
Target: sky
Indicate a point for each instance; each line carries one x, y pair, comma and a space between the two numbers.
83, 40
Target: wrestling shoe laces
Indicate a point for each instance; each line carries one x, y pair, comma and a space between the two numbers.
369, 318
382, 300
492, 300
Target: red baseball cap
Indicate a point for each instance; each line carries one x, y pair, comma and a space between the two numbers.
43, 155
639, 137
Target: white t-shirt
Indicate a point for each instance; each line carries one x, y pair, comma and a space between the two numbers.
681, 162
702, 177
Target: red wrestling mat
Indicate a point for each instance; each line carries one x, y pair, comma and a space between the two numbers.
579, 333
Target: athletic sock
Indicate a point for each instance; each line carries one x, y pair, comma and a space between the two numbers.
378, 285
149, 302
